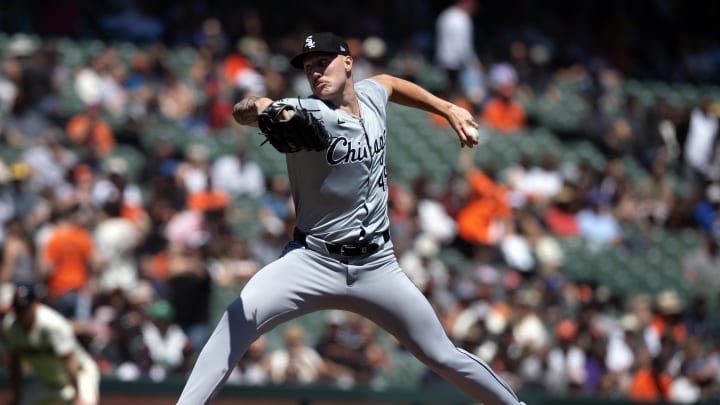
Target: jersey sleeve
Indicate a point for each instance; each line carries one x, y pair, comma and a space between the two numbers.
374, 90
62, 337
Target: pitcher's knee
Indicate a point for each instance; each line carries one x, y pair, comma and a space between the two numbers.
236, 308
238, 312
436, 359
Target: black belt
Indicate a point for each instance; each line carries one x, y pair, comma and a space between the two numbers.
345, 249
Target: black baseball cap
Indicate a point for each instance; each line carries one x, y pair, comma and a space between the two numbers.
24, 297
321, 42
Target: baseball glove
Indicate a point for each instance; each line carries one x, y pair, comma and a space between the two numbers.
291, 129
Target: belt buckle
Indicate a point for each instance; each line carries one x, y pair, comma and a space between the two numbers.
355, 250
351, 250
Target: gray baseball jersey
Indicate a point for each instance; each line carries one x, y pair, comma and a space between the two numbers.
341, 197
340, 194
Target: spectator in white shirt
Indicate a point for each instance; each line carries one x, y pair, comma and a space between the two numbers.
116, 239
168, 345
238, 175
701, 136
455, 42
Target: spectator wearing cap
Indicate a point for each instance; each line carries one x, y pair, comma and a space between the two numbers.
169, 347
667, 323
502, 113
566, 361
42, 337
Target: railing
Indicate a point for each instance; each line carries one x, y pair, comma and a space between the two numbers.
143, 391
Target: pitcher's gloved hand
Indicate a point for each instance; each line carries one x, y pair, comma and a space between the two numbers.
291, 129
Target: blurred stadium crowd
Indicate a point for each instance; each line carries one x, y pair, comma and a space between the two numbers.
131, 199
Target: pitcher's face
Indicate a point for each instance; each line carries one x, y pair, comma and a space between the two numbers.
327, 74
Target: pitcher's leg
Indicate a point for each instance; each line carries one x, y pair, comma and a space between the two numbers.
287, 288
391, 300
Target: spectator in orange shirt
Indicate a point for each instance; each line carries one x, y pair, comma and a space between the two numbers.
502, 112
68, 262
209, 198
213, 203
89, 129
484, 218
651, 382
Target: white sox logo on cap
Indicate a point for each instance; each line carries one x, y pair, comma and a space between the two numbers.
309, 43
320, 42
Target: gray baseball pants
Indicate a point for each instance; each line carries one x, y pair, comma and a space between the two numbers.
305, 280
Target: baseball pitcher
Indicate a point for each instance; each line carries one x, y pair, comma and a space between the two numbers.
342, 255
